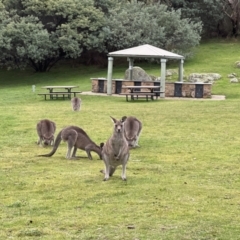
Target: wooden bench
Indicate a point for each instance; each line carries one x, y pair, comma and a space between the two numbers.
75, 92
64, 95
158, 93
139, 94
57, 95
142, 94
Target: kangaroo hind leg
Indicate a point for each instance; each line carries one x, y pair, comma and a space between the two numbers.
74, 153
71, 140
88, 149
107, 167
124, 166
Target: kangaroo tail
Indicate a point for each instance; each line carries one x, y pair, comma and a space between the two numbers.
55, 146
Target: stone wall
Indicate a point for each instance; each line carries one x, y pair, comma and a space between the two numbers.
187, 89
169, 89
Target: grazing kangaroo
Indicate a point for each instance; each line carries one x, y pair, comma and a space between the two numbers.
76, 103
46, 130
132, 130
76, 138
115, 151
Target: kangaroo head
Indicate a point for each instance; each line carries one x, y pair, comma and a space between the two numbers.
131, 140
118, 125
47, 139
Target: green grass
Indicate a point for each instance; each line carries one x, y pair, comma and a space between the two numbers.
183, 182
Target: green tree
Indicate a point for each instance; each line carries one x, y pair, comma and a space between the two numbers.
231, 9
209, 12
136, 23
38, 33
106, 5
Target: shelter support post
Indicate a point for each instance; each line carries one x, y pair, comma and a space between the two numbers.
180, 71
130, 60
109, 76
163, 77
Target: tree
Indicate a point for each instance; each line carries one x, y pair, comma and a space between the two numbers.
106, 5
206, 11
231, 8
39, 33
136, 23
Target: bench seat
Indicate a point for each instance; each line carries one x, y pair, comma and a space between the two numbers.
75, 92
139, 94
59, 94
142, 94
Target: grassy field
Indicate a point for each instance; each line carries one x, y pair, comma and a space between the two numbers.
183, 182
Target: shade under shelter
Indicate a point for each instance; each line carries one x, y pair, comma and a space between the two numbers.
144, 51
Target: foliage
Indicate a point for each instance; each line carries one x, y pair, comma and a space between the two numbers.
106, 5
183, 182
209, 12
135, 23
40, 33
231, 8
219, 17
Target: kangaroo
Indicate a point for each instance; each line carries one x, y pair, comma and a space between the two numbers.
45, 131
132, 130
76, 103
76, 138
115, 151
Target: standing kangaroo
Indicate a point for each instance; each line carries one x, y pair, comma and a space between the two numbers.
76, 103
132, 130
115, 152
46, 130
75, 138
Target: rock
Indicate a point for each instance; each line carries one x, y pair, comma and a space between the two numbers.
153, 78
237, 64
168, 73
138, 74
204, 77
171, 72
208, 79
232, 75
233, 80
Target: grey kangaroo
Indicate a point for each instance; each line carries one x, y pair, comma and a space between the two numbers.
132, 130
76, 103
76, 138
46, 130
115, 151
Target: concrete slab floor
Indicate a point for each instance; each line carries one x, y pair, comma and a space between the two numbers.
214, 97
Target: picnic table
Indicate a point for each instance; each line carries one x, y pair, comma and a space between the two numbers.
146, 91
56, 94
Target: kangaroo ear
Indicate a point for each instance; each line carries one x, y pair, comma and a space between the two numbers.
113, 119
123, 119
101, 145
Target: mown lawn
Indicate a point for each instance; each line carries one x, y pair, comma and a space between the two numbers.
183, 182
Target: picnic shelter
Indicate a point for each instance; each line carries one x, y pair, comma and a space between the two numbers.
144, 51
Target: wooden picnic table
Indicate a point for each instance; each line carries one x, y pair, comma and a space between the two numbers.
153, 91
62, 94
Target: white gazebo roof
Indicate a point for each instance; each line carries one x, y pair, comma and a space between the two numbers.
145, 51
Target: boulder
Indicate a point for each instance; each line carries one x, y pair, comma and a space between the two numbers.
170, 72
237, 64
232, 75
204, 77
138, 74
233, 80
